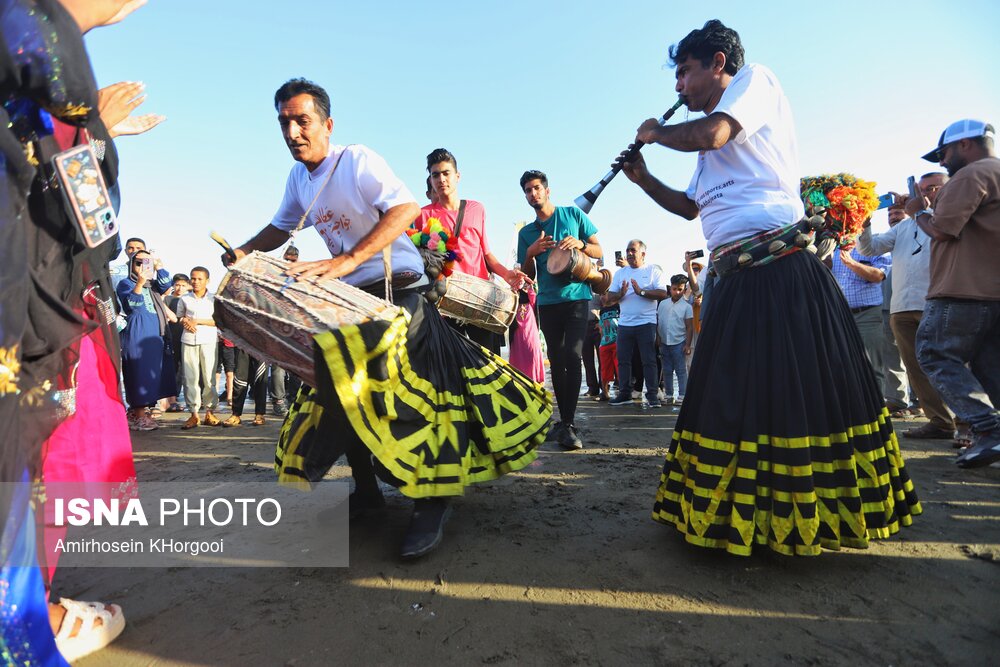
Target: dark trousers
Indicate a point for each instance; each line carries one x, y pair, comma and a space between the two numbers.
639, 339
958, 346
249, 374
590, 344
564, 326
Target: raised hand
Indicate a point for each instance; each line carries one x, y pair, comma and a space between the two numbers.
542, 244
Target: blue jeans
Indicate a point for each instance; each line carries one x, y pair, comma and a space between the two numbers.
642, 337
956, 332
674, 362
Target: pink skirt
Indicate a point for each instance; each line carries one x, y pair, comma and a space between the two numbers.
525, 343
92, 449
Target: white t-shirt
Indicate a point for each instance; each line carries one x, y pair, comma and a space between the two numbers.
751, 184
670, 316
198, 309
635, 309
348, 208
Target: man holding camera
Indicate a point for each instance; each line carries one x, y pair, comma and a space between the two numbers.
910, 248
958, 342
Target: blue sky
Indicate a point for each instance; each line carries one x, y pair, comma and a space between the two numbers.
509, 86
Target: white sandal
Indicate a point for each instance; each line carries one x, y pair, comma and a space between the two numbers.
91, 637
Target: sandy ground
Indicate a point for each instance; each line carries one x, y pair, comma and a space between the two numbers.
560, 565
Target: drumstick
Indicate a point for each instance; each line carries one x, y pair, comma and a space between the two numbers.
217, 237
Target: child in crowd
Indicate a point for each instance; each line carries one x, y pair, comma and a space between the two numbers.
608, 352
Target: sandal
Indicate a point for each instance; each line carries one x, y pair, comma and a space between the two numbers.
900, 413
90, 636
258, 420
175, 407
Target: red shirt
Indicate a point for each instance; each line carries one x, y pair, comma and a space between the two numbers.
472, 244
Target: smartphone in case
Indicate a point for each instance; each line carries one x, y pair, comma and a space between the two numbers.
695, 254
885, 201
147, 269
618, 255
911, 185
86, 195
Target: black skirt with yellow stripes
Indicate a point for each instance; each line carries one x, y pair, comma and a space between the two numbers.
783, 439
437, 411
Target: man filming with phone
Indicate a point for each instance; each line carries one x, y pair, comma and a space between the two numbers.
911, 256
958, 342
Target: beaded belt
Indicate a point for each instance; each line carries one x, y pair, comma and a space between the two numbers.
765, 247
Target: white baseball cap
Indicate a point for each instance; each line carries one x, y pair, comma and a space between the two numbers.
968, 128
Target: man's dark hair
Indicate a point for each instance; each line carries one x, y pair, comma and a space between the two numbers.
703, 44
136, 238
531, 175
293, 87
441, 155
429, 187
180, 276
203, 270
678, 279
933, 173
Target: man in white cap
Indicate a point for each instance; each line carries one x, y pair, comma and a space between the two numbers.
958, 342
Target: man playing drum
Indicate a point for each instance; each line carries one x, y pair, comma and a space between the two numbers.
474, 253
783, 440
563, 303
395, 389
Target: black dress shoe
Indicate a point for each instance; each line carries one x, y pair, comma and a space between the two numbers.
426, 527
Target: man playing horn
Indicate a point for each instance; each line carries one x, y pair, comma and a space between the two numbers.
783, 440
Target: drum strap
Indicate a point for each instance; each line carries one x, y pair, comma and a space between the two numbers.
461, 216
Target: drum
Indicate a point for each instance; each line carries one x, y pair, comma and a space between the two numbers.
274, 319
482, 303
576, 266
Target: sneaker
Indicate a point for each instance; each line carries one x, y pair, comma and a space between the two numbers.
279, 409
620, 400
985, 450
133, 420
146, 423
679, 400
655, 403
554, 430
426, 527
569, 439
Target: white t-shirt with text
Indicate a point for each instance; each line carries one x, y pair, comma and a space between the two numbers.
348, 208
751, 184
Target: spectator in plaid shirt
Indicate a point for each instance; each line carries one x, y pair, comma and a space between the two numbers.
860, 278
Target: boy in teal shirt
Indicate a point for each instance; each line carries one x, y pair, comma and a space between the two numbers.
562, 302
